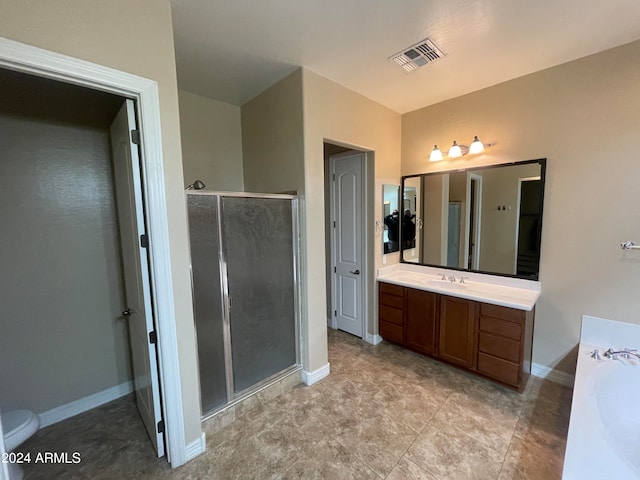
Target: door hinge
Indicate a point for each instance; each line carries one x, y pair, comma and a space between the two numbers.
135, 137
144, 241
334, 177
335, 313
153, 337
161, 426
335, 270
334, 224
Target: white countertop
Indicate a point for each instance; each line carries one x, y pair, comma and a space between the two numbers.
505, 291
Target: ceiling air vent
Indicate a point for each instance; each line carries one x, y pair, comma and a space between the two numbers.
417, 55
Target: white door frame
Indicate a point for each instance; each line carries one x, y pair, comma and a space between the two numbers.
4, 467
43, 63
364, 243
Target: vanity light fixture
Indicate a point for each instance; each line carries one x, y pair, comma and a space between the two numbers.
455, 151
436, 154
476, 146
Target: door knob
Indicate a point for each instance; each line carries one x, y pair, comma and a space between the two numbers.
357, 272
127, 312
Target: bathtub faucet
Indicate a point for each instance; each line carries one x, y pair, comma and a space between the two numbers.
624, 353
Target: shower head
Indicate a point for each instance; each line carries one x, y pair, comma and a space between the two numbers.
197, 185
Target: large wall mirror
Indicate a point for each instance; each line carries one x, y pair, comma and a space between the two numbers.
486, 219
390, 212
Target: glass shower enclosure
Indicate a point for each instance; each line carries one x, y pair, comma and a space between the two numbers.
244, 280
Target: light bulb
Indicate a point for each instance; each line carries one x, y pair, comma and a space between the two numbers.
476, 146
436, 154
455, 151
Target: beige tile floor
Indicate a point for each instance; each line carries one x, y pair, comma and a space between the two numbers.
383, 413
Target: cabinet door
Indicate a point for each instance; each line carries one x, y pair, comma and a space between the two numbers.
457, 331
421, 321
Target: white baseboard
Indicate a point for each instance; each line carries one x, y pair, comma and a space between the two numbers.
372, 339
332, 322
309, 378
196, 448
552, 375
84, 404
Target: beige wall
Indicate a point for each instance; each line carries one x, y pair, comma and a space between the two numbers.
337, 115
283, 131
62, 338
211, 142
108, 33
272, 138
583, 116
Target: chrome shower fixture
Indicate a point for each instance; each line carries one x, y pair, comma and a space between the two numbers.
197, 185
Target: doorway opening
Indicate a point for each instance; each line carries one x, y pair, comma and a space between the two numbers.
62, 256
349, 253
474, 213
39, 62
528, 226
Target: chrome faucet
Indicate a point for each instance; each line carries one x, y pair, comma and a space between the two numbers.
452, 278
462, 279
444, 277
624, 353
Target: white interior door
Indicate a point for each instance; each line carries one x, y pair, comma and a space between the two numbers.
4, 467
139, 313
347, 249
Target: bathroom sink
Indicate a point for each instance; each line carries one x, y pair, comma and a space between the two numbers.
444, 285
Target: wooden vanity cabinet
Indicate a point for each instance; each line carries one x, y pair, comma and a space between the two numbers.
457, 331
491, 340
391, 312
504, 344
421, 321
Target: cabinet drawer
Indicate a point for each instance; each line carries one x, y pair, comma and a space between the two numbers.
391, 332
505, 313
391, 289
499, 369
504, 328
390, 315
499, 347
391, 300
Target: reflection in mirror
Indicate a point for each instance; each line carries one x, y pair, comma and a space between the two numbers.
391, 233
481, 219
411, 220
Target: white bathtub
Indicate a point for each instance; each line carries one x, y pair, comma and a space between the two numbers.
604, 430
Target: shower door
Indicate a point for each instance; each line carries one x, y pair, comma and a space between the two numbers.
207, 294
243, 256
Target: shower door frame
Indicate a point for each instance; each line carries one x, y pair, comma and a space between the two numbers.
234, 398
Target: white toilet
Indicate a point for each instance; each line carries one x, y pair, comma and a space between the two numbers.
17, 427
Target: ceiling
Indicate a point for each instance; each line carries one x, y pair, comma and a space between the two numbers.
233, 50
